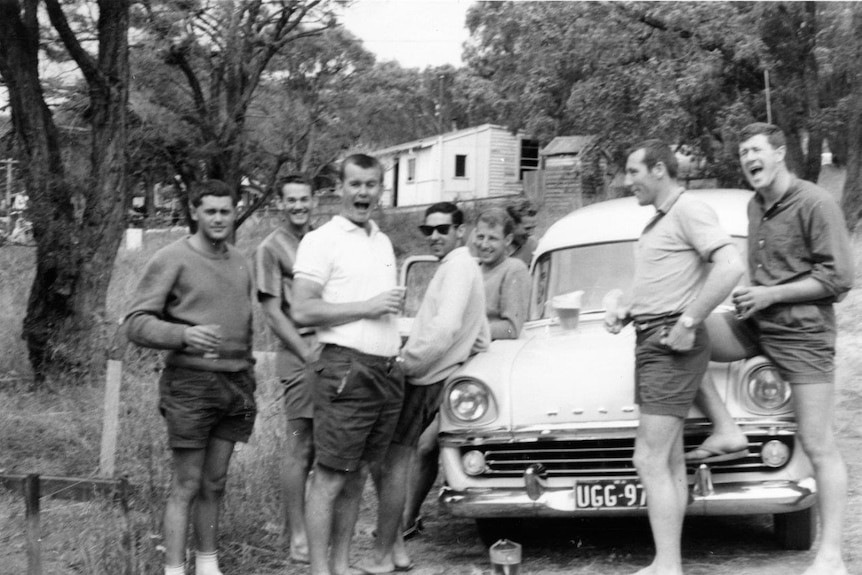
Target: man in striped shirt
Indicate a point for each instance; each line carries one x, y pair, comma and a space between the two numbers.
273, 264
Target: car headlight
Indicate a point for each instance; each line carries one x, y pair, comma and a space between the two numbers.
469, 400
767, 390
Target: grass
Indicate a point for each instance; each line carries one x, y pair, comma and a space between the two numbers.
58, 433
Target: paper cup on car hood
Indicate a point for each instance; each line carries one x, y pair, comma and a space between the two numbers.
568, 308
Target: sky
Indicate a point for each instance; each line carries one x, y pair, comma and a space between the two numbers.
416, 33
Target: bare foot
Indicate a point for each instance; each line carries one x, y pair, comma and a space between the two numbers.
824, 566
369, 568
654, 570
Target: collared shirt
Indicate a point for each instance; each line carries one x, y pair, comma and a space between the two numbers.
451, 324
273, 268
672, 256
802, 235
351, 265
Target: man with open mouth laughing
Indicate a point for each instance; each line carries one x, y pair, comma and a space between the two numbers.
800, 263
345, 284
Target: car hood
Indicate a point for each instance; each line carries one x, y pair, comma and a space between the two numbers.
552, 377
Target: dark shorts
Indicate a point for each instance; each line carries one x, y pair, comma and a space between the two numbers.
666, 381
357, 401
799, 339
198, 405
295, 376
421, 403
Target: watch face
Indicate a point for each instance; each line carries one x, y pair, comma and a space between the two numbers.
687, 322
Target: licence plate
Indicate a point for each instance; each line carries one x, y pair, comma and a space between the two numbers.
608, 493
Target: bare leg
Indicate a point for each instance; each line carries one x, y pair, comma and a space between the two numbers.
211, 493
423, 473
347, 505
813, 404
185, 483
726, 436
390, 478
326, 485
658, 458
298, 457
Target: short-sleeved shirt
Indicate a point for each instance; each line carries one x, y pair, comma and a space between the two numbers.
273, 268
802, 235
672, 254
352, 265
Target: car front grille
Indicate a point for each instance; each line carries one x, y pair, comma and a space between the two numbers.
600, 457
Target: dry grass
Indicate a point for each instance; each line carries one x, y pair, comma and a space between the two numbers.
58, 433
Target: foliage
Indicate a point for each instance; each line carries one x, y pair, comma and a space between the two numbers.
689, 72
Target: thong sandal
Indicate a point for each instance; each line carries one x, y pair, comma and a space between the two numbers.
705, 454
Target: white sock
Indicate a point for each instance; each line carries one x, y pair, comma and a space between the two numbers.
178, 570
206, 563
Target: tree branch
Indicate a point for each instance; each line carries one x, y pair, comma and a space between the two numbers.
86, 63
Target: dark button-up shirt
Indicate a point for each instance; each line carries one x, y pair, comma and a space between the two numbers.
802, 235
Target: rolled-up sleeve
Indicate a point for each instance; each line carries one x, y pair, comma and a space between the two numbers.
831, 256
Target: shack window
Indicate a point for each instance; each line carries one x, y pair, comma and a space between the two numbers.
411, 169
460, 166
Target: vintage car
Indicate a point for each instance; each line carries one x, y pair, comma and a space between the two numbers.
544, 425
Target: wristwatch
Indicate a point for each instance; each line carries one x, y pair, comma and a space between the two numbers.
687, 322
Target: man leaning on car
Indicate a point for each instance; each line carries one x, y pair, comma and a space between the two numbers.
686, 265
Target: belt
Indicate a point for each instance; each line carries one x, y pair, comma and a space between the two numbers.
223, 354
654, 322
384, 360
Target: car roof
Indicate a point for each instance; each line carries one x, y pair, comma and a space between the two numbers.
623, 219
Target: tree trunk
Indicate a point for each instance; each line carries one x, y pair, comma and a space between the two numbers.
65, 326
851, 199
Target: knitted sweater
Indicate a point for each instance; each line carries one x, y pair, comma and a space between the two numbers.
182, 287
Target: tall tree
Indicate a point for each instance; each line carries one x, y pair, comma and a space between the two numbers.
77, 221
221, 51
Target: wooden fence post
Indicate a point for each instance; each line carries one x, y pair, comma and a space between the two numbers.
110, 418
34, 537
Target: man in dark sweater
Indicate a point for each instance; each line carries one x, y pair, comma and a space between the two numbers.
194, 300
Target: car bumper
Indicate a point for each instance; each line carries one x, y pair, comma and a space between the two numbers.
748, 498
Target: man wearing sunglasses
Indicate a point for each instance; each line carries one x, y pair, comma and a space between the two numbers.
449, 327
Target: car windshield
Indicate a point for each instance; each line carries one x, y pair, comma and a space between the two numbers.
594, 269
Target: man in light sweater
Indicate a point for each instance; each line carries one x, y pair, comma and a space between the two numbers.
449, 327
194, 300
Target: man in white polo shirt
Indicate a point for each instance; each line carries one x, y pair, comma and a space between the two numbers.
345, 284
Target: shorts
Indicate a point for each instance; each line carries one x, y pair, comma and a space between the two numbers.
421, 403
666, 381
799, 339
357, 401
198, 405
295, 376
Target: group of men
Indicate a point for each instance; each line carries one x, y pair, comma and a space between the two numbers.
799, 264
356, 399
